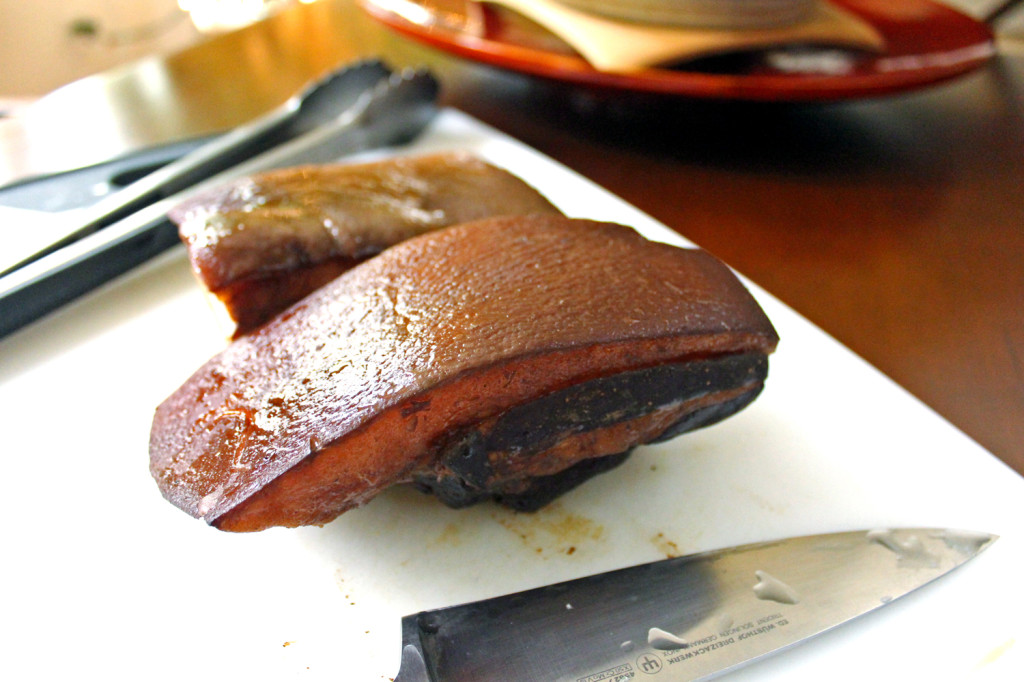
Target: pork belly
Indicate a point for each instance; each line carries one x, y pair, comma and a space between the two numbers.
509, 358
263, 242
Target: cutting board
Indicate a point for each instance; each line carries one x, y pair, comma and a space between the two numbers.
102, 576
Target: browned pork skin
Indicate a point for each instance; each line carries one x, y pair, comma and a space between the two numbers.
261, 243
510, 358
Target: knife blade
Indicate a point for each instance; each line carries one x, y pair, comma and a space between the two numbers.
393, 112
685, 618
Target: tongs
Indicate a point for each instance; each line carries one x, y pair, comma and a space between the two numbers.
316, 105
361, 107
998, 12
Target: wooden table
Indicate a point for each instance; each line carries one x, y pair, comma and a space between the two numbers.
895, 224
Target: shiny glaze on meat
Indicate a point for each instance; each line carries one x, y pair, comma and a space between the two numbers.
263, 242
354, 388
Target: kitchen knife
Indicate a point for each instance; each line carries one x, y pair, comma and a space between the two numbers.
684, 618
392, 112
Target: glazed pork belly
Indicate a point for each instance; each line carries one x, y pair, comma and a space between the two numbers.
508, 359
263, 242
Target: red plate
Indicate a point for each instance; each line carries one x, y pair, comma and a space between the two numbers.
926, 43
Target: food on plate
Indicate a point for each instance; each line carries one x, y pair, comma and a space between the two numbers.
707, 14
263, 242
508, 358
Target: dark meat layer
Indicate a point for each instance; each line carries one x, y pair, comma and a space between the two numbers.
370, 380
263, 242
613, 412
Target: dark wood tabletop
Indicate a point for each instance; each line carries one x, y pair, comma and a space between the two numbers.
896, 223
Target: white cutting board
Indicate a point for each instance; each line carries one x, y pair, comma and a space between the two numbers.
101, 576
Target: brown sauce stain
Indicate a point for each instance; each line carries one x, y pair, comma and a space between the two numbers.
553, 530
449, 537
666, 546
